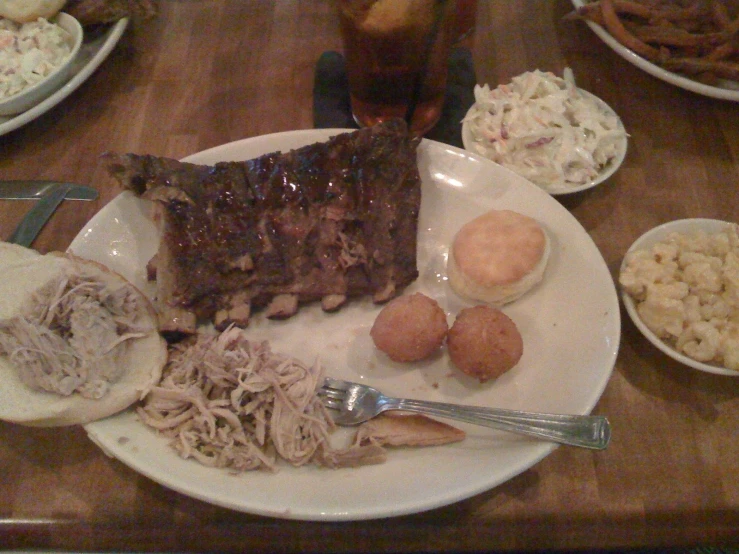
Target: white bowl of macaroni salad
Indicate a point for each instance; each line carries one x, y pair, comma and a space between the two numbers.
35, 60
680, 286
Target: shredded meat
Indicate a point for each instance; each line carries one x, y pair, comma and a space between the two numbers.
229, 402
232, 403
68, 338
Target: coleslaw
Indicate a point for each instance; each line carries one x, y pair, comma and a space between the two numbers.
29, 52
546, 129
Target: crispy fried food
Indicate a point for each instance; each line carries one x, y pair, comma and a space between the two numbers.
698, 38
95, 12
484, 343
669, 35
697, 66
723, 52
410, 328
619, 32
720, 15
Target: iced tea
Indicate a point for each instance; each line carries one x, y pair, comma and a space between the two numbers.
396, 55
466, 18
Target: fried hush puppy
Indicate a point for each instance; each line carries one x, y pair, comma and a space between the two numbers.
410, 328
484, 343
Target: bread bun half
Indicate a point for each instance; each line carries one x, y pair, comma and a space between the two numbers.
12, 253
498, 257
25, 11
131, 362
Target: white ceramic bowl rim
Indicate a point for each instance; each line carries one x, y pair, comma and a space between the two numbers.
608, 170
647, 240
73, 27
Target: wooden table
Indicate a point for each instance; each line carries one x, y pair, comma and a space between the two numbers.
205, 73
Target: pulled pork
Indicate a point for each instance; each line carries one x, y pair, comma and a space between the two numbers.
69, 337
231, 403
228, 402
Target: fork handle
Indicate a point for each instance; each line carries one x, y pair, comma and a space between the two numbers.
575, 430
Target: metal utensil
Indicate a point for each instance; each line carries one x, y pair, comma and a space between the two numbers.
36, 218
34, 189
358, 403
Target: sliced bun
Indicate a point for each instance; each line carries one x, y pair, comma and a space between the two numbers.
25, 11
11, 253
25, 273
498, 257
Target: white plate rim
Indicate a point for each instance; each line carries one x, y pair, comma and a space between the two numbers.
613, 165
656, 71
112, 36
104, 433
646, 240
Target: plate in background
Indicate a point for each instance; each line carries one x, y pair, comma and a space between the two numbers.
33, 94
89, 58
730, 91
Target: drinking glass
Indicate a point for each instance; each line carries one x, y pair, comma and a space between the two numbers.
396, 58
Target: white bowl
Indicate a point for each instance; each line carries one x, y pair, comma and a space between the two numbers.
606, 172
30, 96
647, 240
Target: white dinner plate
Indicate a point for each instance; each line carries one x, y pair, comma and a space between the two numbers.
729, 90
91, 55
570, 326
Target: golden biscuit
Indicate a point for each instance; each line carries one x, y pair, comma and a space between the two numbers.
497, 257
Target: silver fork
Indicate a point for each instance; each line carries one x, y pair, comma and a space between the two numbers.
358, 403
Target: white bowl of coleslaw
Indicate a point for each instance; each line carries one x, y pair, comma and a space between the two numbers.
558, 136
35, 60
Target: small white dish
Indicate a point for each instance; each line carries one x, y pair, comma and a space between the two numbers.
607, 171
647, 240
92, 53
30, 96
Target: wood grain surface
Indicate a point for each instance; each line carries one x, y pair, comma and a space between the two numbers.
208, 72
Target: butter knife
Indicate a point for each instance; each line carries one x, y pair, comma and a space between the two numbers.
37, 216
32, 190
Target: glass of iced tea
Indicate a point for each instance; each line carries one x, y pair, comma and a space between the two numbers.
466, 18
396, 58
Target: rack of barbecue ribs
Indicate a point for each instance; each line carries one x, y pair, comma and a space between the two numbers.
326, 222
